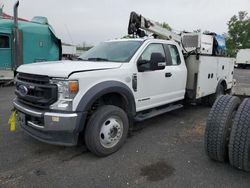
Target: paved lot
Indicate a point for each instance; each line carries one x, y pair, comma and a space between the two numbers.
166, 151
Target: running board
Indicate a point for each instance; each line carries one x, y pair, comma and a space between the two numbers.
156, 112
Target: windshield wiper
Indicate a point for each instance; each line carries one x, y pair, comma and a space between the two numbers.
97, 59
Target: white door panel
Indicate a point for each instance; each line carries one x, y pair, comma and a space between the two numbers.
156, 88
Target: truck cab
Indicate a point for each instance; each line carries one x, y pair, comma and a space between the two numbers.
37, 42
155, 66
25, 42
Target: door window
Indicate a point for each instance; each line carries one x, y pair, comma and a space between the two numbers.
146, 55
4, 41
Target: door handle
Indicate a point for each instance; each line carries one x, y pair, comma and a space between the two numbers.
168, 74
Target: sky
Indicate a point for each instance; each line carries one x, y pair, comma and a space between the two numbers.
92, 21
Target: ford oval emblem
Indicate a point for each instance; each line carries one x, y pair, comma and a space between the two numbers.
23, 90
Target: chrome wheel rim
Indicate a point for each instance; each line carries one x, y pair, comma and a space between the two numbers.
111, 132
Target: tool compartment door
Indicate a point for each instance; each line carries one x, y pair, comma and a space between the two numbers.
226, 70
207, 76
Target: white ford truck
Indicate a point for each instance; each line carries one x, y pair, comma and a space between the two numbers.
112, 85
115, 83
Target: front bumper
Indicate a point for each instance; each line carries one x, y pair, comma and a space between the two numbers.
60, 128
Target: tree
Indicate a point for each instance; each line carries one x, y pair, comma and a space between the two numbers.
238, 33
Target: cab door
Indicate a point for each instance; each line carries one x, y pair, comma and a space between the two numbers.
5, 52
159, 87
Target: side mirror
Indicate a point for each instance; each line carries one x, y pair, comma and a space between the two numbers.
157, 61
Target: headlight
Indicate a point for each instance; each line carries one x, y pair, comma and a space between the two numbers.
67, 90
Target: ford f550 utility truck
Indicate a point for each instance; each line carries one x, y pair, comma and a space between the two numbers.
111, 86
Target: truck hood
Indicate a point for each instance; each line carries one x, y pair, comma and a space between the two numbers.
65, 68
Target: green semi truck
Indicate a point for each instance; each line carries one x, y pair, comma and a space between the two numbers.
24, 42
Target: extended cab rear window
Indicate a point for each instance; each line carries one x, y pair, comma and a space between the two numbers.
4, 41
176, 60
173, 55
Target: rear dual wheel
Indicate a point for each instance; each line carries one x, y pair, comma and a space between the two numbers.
227, 132
239, 145
218, 127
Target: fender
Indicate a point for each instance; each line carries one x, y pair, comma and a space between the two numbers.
220, 82
106, 87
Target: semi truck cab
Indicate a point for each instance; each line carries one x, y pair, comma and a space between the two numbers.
25, 42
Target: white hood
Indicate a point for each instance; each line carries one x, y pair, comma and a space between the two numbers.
65, 68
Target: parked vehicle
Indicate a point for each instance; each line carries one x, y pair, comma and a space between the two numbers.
68, 52
25, 42
115, 83
243, 58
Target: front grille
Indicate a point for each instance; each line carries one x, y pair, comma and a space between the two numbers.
35, 79
35, 90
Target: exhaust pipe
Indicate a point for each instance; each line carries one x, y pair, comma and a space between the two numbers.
17, 40
1, 11
16, 14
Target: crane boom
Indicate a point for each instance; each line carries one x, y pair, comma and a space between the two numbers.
138, 24
206, 43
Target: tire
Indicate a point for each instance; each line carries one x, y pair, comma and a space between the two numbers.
219, 91
239, 144
106, 130
218, 127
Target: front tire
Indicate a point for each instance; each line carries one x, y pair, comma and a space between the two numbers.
106, 130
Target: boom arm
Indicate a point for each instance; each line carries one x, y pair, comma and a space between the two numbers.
137, 23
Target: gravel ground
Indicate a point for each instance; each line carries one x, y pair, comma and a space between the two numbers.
165, 151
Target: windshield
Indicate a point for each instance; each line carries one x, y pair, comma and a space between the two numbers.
117, 51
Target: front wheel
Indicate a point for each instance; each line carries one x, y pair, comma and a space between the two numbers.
106, 130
